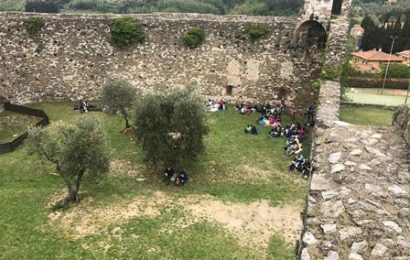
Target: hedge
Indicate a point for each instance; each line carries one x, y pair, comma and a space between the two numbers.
354, 82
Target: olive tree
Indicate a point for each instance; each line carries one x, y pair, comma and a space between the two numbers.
118, 96
75, 149
171, 127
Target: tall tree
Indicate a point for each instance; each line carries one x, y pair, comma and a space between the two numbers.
171, 127
118, 96
75, 150
370, 39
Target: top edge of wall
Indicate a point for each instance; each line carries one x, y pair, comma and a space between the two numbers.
156, 16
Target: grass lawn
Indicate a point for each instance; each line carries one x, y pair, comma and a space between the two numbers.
132, 214
13, 124
366, 116
391, 97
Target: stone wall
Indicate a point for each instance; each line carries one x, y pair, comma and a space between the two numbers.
78, 57
401, 122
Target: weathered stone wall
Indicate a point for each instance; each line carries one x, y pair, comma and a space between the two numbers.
401, 122
78, 57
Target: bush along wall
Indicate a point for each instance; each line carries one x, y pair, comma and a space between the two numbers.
193, 37
125, 31
257, 32
354, 82
33, 27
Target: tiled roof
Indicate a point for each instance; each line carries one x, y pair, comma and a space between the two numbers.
374, 55
405, 53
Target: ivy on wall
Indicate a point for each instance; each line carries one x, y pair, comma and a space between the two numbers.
125, 31
193, 37
33, 27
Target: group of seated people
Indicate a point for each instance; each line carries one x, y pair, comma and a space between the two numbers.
178, 179
295, 134
214, 106
252, 107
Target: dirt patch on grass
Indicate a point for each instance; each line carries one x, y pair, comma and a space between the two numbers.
123, 167
84, 219
253, 224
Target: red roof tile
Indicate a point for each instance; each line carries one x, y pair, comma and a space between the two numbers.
405, 53
374, 55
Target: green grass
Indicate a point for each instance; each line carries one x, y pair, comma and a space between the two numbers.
13, 124
372, 96
236, 168
366, 116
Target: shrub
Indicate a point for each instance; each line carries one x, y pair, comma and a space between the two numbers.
353, 82
171, 127
194, 37
397, 71
257, 32
33, 27
125, 32
330, 73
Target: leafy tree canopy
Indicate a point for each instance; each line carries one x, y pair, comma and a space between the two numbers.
171, 127
75, 149
118, 95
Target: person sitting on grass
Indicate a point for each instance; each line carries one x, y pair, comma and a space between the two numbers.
275, 131
168, 175
222, 105
248, 129
238, 106
254, 130
263, 120
84, 106
182, 179
294, 146
299, 160
287, 132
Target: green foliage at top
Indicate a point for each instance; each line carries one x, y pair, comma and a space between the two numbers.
220, 7
193, 37
397, 26
171, 127
83, 4
267, 7
33, 27
258, 31
397, 71
12, 5
118, 96
125, 32
75, 150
